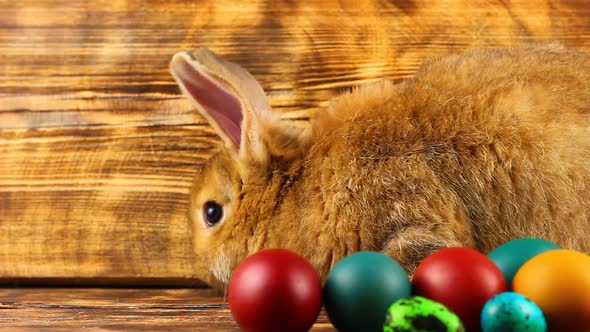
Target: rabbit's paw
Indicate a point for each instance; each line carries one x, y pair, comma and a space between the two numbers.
410, 246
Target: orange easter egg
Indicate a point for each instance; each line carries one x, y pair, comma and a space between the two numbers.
558, 281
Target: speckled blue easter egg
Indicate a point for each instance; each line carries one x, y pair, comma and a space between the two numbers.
512, 312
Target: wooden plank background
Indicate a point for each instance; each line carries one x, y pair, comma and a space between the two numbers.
98, 147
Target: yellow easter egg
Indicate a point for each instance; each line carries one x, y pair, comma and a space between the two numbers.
558, 281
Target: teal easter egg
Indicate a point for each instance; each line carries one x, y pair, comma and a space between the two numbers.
512, 312
510, 256
419, 314
360, 288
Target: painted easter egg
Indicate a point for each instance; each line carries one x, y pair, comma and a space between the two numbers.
510, 256
275, 290
558, 281
512, 312
460, 278
419, 314
360, 288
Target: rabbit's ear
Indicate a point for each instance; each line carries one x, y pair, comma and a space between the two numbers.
230, 99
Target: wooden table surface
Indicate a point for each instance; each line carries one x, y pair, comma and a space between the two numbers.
79, 309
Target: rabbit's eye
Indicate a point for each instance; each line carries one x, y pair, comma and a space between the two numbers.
212, 213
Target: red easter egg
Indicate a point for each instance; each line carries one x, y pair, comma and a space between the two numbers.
462, 279
275, 290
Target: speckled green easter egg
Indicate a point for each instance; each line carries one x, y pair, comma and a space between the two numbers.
419, 314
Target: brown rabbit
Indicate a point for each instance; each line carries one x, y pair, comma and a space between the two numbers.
475, 150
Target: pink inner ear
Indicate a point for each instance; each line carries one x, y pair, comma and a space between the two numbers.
219, 102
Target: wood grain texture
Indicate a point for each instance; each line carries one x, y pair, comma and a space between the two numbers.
46, 309
98, 147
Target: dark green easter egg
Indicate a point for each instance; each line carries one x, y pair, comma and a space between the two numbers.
360, 288
510, 256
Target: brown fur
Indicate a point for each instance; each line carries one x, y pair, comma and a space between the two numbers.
475, 150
